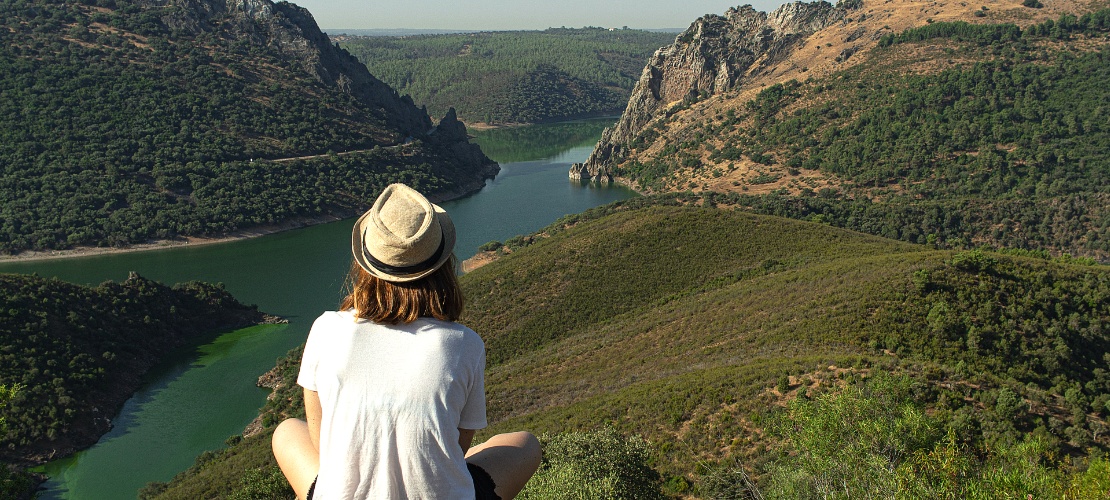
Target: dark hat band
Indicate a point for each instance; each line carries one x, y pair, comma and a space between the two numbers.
399, 271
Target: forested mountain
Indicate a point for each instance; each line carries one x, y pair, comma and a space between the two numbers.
513, 76
976, 125
129, 120
74, 353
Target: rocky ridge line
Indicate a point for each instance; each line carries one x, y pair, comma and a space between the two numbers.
715, 54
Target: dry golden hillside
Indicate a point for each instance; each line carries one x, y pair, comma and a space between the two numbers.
843, 46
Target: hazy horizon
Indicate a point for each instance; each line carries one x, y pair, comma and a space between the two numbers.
510, 15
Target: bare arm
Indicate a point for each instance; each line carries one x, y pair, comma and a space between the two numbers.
313, 412
466, 436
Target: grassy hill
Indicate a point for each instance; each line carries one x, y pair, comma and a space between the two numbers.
127, 121
513, 76
697, 328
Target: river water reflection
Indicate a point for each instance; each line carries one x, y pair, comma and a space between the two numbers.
204, 394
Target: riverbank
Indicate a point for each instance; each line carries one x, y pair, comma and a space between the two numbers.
489, 172
190, 241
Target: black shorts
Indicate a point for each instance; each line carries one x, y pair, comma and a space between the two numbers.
483, 484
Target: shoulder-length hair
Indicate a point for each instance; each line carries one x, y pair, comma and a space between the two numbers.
436, 295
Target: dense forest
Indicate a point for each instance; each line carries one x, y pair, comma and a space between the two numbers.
770, 363
513, 76
1006, 145
124, 122
70, 355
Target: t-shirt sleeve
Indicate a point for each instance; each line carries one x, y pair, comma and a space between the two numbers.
311, 358
474, 411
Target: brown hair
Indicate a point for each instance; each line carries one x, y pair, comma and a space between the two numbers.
436, 295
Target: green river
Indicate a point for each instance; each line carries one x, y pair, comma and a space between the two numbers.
206, 393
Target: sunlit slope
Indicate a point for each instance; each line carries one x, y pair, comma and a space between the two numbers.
690, 325
679, 323
639, 262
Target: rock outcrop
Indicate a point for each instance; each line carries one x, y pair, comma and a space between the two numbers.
292, 30
715, 54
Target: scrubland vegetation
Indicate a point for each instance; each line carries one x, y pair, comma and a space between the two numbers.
728, 341
998, 137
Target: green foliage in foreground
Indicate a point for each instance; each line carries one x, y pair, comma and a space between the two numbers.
872, 441
76, 352
513, 76
603, 465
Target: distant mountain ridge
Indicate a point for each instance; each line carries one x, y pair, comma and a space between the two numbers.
129, 121
513, 77
714, 55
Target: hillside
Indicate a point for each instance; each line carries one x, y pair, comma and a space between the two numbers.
695, 327
983, 119
133, 120
513, 76
76, 353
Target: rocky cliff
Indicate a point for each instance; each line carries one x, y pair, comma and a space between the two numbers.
715, 54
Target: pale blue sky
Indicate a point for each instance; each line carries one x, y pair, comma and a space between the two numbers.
516, 14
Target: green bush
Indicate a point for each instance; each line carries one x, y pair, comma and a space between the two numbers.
848, 444
490, 246
263, 484
602, 465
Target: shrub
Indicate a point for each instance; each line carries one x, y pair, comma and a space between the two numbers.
847, 444
263, 484
490, 246
604, 465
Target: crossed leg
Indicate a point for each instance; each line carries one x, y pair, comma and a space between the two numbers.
297, 457
510, 459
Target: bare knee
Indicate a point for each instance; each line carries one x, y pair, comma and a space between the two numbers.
287, 432
530, 448
510, 459
296, 455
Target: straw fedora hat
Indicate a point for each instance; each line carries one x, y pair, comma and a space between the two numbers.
403, 237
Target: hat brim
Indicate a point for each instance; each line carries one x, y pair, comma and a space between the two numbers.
445, 224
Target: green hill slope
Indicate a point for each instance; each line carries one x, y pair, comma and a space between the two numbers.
676, 323
513, 76
131, 120
693, 326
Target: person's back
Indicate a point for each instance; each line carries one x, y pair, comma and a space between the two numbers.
393, 387
406, 390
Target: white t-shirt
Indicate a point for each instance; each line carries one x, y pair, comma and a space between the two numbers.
394, 398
